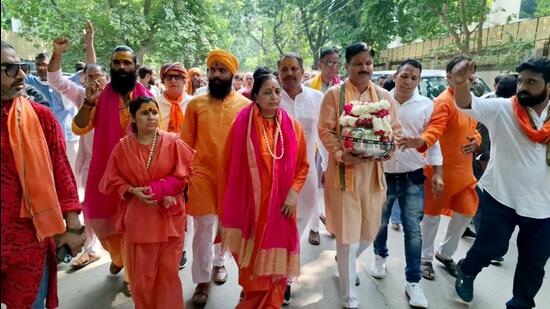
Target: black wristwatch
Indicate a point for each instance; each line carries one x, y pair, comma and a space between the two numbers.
78, 231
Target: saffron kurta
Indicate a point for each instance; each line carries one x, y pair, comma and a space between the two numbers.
352, 215
23, 257
264, 280
111, 122
207, 123
453, 129
153, 238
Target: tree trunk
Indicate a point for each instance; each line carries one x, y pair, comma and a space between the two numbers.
316, 60
480, 25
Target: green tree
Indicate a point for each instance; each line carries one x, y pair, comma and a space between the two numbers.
543, 8
157, 30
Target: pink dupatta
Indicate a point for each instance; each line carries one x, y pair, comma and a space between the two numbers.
279, 247
100, 208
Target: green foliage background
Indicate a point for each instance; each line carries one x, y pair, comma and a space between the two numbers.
257, 31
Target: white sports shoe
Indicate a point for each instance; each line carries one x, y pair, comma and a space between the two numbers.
378, 267
416, 295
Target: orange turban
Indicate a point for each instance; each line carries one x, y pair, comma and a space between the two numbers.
224, 57
173, 66
192, 73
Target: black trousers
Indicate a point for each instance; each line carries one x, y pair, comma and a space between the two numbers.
497, 223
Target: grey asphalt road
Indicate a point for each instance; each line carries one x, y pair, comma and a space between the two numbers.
317, 286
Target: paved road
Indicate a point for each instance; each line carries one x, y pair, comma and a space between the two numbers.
317, 287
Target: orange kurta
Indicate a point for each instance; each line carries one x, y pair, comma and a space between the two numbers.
264, 291
207, 123
153, 240
453, 129
113, 243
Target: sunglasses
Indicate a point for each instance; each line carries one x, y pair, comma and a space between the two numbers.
331, 64
12, 69
174, 77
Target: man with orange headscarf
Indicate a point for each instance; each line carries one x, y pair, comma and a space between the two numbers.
193, 81
172, 104
174, 99
207, 121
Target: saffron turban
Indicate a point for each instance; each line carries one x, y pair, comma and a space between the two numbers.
224, 57
173, 66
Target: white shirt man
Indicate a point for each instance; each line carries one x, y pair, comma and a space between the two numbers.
404, 173
516, 182
305, 108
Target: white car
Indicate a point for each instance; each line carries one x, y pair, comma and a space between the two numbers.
433, 82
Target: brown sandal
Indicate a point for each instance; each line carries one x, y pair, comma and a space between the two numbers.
84, 260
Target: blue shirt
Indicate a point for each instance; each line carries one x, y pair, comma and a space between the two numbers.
75, 78
63, 114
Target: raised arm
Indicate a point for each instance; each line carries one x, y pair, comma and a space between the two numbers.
60, 45
459, 77
89, 41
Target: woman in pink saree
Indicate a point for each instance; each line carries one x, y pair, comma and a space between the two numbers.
264, 167
148, 170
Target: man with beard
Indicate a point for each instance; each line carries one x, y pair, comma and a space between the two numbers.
515, 184
459, 139
106, 110
39, 200
354, 186
208, 118
148, 79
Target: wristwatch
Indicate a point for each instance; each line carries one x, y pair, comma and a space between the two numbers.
78, 231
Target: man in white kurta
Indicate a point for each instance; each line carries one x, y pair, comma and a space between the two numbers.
303, 104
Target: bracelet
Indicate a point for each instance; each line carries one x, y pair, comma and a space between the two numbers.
87, 104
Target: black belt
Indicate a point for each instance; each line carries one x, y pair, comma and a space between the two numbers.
416, 176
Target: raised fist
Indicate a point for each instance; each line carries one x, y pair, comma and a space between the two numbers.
60, 45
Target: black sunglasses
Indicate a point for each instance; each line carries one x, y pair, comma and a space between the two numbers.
12, 69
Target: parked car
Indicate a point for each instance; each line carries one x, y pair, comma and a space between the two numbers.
433, 82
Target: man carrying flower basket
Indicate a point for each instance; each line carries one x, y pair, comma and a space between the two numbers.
355, 188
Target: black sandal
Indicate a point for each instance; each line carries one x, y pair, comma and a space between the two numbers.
428, 270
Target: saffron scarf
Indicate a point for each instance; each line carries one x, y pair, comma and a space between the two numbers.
279, 245
108, 132
317, 82
541, 135
175, 123
34, 166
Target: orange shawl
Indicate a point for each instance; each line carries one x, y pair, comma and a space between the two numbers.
175, 124
34, 167
541, 136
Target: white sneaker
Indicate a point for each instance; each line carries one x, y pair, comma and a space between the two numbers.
378, 267
416, 296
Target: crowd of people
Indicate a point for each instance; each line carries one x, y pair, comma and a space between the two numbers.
228, 165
